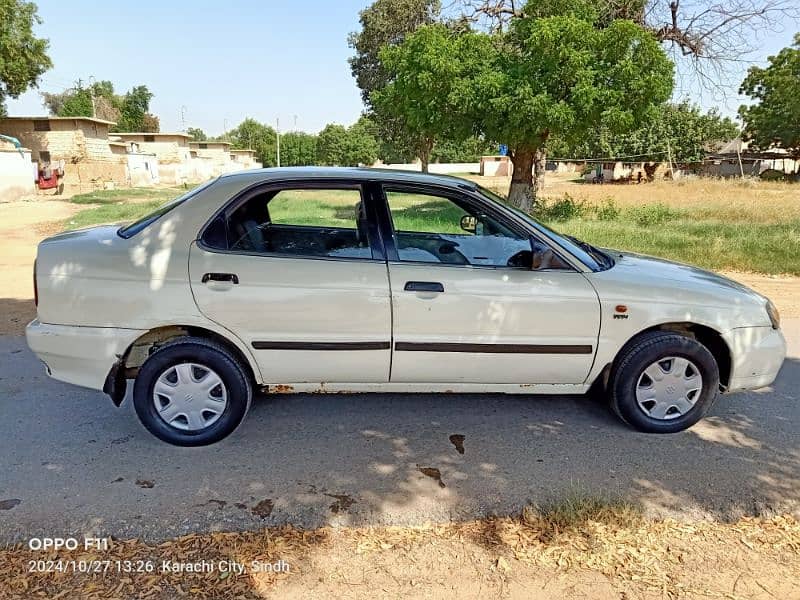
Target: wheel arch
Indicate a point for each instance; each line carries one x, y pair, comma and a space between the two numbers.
708, 336
127, 367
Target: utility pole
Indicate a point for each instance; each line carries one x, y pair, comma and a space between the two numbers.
295, 123
225, 129
278, 138
91, 93
183, 118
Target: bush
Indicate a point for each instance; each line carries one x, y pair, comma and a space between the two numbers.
607, 211
651, 214
564, 209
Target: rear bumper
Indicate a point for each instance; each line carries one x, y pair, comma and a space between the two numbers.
758, 353
79, 355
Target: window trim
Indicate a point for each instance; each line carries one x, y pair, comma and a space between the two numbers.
366, 189
387, 224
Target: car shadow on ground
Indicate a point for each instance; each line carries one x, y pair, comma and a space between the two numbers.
358, 459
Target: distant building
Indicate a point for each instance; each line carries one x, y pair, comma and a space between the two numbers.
171, 150
734, 159
81, 142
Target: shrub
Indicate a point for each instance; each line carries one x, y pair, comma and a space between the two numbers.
651, 214
563, 209
607, 211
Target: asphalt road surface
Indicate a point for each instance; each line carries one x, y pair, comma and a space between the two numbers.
72, 464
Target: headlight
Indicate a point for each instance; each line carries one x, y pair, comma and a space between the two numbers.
774, 315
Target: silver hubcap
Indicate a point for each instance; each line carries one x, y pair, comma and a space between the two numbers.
189, 396
669, 388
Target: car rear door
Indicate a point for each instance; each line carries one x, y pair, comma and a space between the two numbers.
464, 313
297, 271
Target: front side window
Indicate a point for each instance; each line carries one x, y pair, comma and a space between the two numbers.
314, 222
439, 229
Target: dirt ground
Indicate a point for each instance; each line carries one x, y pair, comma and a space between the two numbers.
24, 224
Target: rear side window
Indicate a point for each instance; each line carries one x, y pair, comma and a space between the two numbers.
131, 230
309, 222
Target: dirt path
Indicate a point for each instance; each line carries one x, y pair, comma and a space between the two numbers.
22, 226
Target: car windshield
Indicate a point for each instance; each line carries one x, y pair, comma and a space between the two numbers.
589, 255
135, 227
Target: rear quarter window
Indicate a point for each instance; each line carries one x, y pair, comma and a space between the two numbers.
131, 230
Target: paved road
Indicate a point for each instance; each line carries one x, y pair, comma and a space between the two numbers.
77, 464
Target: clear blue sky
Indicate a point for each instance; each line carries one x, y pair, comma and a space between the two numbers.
225, 61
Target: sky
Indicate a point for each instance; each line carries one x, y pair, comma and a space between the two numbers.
211, 64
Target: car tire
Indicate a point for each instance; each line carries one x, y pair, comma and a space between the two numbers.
681, 391
191, 365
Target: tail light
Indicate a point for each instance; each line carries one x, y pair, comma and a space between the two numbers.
35, 287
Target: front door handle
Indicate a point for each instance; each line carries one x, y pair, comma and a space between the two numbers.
232, 277
423, 286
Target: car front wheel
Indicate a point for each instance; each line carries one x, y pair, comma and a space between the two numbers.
663, 382
191, 392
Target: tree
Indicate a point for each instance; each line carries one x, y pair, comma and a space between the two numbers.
680, 130
387, 23
129, 112
461, 151
548, 75
347, 147
298, 149
197, 134
23, 56
133, 108
256, 136
774, 119
708, 34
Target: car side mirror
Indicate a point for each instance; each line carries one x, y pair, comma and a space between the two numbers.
469, 223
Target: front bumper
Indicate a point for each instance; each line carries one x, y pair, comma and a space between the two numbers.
79, 355
757, 353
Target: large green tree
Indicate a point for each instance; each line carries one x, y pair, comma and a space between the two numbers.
559, 75
387, 23
774, 117
23, 56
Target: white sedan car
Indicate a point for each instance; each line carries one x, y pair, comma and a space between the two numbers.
328, 280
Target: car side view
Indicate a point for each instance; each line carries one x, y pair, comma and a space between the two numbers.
360, 280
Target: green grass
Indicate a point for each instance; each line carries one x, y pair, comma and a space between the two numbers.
111, 213
733, 238
138, 194
716, 239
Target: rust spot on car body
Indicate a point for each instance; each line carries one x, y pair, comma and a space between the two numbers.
281, 389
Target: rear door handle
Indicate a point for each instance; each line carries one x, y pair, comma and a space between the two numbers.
232, 277
423, 286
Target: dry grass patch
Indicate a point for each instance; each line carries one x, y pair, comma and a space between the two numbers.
610, 545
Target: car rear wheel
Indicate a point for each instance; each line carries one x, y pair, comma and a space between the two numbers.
663, 382
191, 392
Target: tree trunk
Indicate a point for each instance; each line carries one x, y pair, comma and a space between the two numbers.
539, 166
425, 154
522, 193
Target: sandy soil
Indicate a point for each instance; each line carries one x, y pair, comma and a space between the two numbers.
24, 224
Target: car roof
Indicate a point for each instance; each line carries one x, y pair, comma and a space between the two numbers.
363, 173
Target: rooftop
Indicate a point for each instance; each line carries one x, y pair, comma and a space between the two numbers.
51, 118
193, 143
160, 134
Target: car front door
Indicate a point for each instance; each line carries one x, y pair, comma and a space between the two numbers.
468, 306
297, 272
